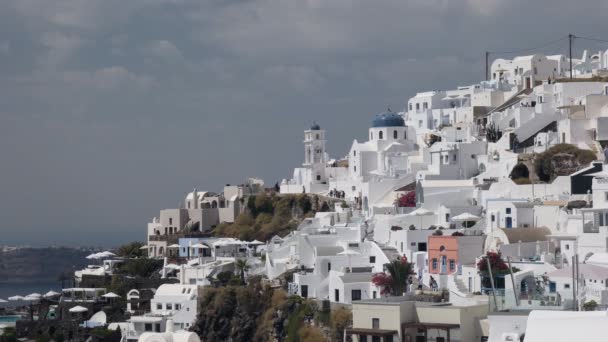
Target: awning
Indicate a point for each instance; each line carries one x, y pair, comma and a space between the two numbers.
370, 332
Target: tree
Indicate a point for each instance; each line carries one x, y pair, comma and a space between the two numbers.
492, 133
407, 200
242, 267
395, 281
498, 266
131, 250
341, 318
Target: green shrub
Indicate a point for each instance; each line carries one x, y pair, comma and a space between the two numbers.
590, 305
142, 267
522, 181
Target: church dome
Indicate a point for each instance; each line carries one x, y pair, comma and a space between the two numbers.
388, 119
315, 127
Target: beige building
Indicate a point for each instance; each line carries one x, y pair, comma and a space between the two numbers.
396, 319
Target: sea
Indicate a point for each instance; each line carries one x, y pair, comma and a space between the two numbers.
25, 288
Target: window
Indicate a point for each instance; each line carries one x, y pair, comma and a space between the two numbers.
354, 153
447, 217
157, 327
434, 264
336, 295
395, 135
318, 177
411, 104
567, 247
417, 106
328, 266
188, 205
372, 259
380, 135
455, 157
374, 294
170, 220
304, 291
317, 137
401, 247
356, 295
404, 135
425, 105
148, 327
375, 323
159, 306
452, 265
606, 195
566, 286
169, 306
178, 306
508, 210
355, 168
493, 218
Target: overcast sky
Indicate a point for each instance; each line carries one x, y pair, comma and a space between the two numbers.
111, 110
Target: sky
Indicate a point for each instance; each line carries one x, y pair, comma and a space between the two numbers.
111, 110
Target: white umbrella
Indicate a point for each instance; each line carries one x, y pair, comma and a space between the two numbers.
15, 298
349, 253
172, 266
222, 242
3, 301
78, 308
144, 247
93, 256
51, 294
256, 242
35, 294
111, 295
199, 245
31, 298
421, 212
173, 246
466, 217
107, 254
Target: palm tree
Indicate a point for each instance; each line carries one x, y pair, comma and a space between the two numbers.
394, 279
242, 267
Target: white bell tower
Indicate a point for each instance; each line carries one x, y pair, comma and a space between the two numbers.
314, 146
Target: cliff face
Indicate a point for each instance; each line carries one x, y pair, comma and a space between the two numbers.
30, 264
252, 313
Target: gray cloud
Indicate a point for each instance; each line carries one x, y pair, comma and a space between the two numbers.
112, 109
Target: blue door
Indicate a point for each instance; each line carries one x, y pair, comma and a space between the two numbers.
508, 222
443, 264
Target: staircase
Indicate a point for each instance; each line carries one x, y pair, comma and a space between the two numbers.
458, 287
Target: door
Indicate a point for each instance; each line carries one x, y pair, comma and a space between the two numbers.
509, 222
528, 83
470, 284
304, 291
337, 295
444, 261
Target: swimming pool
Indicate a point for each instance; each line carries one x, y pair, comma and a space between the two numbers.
9, 319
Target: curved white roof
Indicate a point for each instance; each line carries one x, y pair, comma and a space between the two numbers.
600, 259
176, 290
